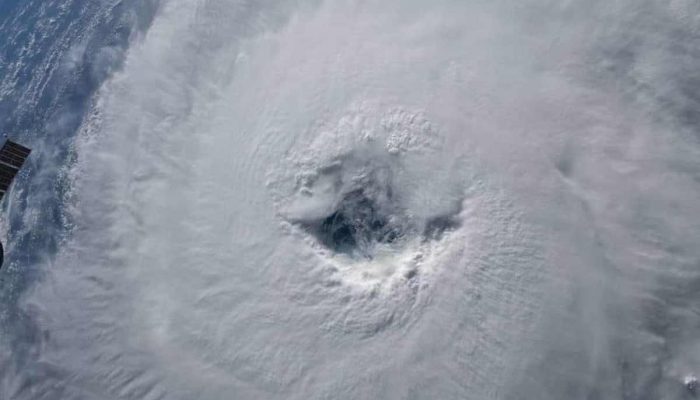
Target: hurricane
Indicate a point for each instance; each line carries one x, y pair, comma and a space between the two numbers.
336, 199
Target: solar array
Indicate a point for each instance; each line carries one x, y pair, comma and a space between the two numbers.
12, 157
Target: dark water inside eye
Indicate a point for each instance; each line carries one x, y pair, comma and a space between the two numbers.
357, 226
360, 223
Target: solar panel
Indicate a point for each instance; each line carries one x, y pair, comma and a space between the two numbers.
7, 174
13, 154
12, 157
17, 147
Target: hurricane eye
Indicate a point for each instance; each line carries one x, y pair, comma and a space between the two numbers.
356, 226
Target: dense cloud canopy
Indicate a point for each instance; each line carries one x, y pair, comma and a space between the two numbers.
354, 200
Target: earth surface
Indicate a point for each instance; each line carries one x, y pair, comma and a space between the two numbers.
335, 199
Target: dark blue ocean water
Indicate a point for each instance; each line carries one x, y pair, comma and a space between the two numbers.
54, 55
